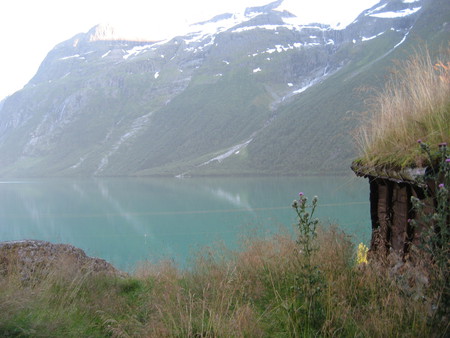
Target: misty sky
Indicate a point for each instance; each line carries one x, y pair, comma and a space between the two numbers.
29, 29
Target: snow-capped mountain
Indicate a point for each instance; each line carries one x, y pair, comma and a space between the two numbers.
243, 93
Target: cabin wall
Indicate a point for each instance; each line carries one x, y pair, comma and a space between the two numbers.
391, 210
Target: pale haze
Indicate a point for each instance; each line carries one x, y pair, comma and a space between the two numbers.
29, 29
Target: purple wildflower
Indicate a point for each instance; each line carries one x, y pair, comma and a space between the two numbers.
300, 194
419, 141
443, 144
447, 160
441, 185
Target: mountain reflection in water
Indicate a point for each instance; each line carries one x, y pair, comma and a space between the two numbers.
127, 220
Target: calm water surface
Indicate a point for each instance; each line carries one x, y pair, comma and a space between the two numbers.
127, 220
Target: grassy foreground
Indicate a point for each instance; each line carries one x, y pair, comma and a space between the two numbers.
257, 292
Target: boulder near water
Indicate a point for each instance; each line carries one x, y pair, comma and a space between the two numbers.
29, 258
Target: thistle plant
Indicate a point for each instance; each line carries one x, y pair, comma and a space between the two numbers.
307, 311
306, 224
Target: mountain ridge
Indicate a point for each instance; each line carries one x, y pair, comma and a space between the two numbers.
218, 100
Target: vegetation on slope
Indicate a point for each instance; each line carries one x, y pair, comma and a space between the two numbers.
414, 105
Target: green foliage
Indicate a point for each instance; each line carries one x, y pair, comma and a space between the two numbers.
306, 225
307, 311
436, 235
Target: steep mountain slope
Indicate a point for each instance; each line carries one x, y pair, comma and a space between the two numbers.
246, 93
324, 116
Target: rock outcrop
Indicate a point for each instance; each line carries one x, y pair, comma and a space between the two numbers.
29, 258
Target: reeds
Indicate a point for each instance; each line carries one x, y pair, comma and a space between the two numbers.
414, 105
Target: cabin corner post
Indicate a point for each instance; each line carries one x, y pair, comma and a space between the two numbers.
381, 215
376, 239
400, 213
410, 229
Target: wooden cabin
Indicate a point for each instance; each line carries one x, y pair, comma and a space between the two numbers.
391, 208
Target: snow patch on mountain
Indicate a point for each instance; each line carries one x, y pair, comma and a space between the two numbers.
398, 14
200, 31
136, 51
295, 23
371, 11
71, 57
233, 150
401, 41
291, 24
306, 12
301, 90
371, 37
282, 48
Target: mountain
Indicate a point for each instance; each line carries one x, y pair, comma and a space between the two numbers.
251, 93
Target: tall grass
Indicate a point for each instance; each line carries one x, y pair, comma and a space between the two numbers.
225, 293
413, 105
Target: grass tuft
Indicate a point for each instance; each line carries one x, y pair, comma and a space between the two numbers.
414, 105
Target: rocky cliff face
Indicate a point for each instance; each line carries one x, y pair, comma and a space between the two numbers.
203, 103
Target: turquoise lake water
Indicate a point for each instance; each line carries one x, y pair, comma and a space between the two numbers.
128, 220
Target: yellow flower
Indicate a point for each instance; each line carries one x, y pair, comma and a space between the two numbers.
361, 256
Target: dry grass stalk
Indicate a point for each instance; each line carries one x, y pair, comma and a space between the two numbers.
413, 105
